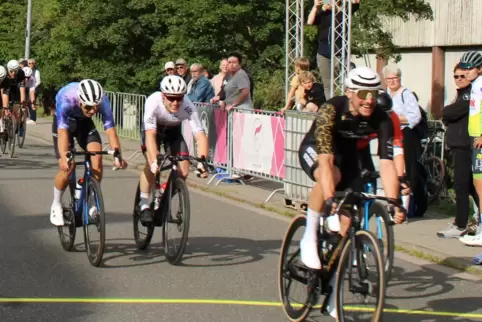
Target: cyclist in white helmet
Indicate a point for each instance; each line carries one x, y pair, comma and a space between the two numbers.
165, 110
328, 155
76, 104
12, 87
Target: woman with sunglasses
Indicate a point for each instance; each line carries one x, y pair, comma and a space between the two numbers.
76, 104
456, 118
164, 113
329, 156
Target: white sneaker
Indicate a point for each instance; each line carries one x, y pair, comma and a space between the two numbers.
472, 240
31, 122
309, 253
56, 215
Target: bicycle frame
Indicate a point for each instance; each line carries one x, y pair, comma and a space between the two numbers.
369, 188
80, 206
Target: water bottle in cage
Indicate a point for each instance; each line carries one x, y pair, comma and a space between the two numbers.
158, 192
78, 188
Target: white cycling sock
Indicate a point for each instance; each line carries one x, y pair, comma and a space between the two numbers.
312, 224
145, 201
58, 196
1, 125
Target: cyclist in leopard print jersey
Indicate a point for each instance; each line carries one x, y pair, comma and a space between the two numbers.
328, 154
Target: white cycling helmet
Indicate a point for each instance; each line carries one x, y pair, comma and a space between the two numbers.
90, 92
363, 78
27, 71
173, 85
13, 65
3, 73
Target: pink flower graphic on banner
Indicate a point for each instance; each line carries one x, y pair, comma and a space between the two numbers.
258, 135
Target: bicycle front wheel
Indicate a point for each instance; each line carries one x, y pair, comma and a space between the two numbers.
68, 230
3, 136
370, 284
22, 128
176, 221
142, 239
12, 135
93, 218
384, 234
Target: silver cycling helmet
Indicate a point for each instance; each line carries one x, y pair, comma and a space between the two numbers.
471, 59
90, 92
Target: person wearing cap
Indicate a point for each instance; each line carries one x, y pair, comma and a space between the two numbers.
181, 69
170, 68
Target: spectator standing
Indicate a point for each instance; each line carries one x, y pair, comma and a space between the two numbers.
237, 91
201, 89
181, 69
321, 16
456, 118
32, 63
406, 107
219, 80
296, 90
170, 68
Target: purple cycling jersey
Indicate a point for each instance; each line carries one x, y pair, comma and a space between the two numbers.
68, 106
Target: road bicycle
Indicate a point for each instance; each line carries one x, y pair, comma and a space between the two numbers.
162, 207
339, 255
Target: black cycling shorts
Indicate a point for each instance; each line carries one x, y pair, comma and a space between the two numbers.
171, 137
83, 130
347, 160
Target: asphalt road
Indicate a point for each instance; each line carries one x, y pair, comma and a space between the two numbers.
232, 255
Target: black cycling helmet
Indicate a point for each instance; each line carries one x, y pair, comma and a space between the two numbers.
384, 101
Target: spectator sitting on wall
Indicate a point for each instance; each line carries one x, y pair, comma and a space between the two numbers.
314, 94
296, 90
201, 89
181, 69
456, 118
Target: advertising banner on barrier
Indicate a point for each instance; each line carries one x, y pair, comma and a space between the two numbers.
258, 143
215, 124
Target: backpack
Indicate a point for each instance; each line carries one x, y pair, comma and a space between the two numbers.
421, 129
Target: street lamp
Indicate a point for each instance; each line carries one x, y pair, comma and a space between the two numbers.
27, 33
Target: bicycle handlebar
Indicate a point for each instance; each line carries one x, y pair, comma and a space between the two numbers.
116, 153
162, 157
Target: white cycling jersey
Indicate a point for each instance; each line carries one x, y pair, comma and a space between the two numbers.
156, 114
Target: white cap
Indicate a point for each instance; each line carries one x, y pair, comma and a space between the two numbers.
169, 65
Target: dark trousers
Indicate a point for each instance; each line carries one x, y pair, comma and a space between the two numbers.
33, 113
463, 185
411, 152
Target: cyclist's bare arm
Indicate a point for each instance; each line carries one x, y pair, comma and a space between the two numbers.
32, 97
325, 121
63, 141
151, 145
22, 94
202, 143
113, 138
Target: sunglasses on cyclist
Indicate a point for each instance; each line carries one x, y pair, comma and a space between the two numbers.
174, 98
89, 108
366, 93
467, 66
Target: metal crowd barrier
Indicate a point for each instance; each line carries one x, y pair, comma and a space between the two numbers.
263, 144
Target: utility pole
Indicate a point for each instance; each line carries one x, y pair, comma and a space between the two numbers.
29, 25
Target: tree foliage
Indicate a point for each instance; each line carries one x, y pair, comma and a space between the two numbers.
125, 43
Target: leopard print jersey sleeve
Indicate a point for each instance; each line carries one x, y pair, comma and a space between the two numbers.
325, 121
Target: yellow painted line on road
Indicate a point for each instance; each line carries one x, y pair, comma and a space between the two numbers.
218, 302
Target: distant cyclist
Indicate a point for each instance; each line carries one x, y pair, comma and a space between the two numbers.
165, 111
76, 104
30, 82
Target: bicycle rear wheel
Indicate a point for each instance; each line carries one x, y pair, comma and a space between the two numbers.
174, 247
22, 128
68, 231
291, 270
385, 237
365, 244
436, 177
93, 218
142, 239
11, 135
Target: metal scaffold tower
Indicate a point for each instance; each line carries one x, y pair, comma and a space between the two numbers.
340, 42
